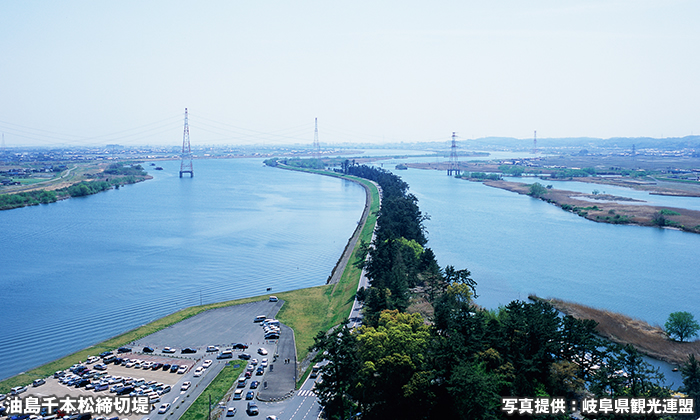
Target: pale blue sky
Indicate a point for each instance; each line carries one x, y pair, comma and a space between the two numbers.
89, 72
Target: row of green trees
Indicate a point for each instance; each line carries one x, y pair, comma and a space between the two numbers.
121, 175
461, 360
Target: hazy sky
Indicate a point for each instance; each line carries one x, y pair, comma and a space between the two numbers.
87, 72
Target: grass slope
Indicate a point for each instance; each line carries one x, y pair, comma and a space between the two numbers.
307, 311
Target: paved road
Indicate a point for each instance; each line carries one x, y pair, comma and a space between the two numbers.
223, 327
300, 405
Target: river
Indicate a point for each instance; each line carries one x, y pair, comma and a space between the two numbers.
82, 270
515, 245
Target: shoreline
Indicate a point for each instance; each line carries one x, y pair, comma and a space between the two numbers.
129, 336
622, 329
605, 209
350, 247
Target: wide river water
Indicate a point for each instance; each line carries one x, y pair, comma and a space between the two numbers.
82, 270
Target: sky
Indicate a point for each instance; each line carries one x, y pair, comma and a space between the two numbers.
83, 73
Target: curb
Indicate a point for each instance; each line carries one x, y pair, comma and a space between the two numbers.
277, 399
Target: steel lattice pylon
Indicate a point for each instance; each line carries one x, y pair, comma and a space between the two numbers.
316, 147
186, 155
453, 169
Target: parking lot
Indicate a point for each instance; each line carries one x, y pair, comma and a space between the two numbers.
222, 328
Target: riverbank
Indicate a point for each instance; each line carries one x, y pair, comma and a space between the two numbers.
307, 311
606, 208
621, 329
77, 181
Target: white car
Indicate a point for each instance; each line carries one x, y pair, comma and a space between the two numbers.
163, 408
262, 352
198, 371
168, 350
182, 369
212, 348
206, 364
185, 386
263, 363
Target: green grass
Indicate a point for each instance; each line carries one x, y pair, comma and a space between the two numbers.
309, 311
217, 389
306, 311
113, 343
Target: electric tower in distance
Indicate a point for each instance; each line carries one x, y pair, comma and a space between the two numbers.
186, 155
316, 147
453, 169
534, 145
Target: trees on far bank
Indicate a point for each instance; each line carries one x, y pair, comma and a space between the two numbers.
682, 325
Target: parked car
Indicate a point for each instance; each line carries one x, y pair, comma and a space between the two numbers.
38, 382
166, 366
188, 350
273, 299
182, 369
81, 383
148, 349
240, 346
224, 355
212, 348
244, 356
125, 390
18, 390
124, 350
168, 350
174, 368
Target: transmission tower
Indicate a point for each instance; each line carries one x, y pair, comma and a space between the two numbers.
316, 147
186, 155
454, 162
534, 145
